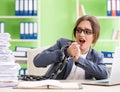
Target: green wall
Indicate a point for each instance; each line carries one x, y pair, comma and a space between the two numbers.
6, 7
57, 20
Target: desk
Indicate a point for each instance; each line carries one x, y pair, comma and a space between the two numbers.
86, 88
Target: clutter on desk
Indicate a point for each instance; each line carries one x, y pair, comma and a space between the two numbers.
8, 67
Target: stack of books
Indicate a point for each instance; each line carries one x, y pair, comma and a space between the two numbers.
8, 68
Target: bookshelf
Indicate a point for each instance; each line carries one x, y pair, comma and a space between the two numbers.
108, 23
12, 24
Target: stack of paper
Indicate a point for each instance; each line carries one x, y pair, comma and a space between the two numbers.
8, 67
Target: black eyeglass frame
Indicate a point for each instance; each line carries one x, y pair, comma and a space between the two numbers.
85, 31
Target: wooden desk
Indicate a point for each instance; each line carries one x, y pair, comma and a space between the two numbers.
86, 88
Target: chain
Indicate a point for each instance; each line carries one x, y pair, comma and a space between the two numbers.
53, 75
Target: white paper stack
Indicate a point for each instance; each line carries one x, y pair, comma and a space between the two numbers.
8, 68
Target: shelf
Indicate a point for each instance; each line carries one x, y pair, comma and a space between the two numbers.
108, 17
18, 17
108, 40
24, 40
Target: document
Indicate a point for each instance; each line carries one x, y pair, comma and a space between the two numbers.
49, 84
8, 83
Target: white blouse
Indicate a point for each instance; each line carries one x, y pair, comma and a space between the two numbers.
77, 73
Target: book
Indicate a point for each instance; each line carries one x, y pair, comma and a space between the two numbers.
25, 7
35, 30
21, 3
20, 53
107, 54
34, 7
118, 8
113, 7
30, 7
22, 30
22, 48
17, 7
109, 7
48, 84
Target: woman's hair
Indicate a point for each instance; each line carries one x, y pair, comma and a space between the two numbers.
94, 24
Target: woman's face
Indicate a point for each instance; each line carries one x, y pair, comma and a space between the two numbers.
84, 35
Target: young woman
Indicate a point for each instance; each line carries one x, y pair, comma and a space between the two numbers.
80, 60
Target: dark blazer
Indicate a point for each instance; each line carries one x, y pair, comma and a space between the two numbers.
93, 64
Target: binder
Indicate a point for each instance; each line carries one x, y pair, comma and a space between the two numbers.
17, 7
107, 54
26, 7
34, 8
109, 8
21, 7
35, 31
22, 34
31, 30
118, 8
30, 7
113, 7
26, 30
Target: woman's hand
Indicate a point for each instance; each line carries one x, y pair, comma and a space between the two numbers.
74, 51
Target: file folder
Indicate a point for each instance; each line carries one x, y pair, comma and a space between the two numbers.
35, 30
22, 34
17, 7
30, 9
26, 30
21, 7
109, 8
113, 7
31, 30
118, 8
34, 8
26, 7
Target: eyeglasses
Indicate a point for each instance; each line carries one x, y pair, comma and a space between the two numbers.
85, 31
